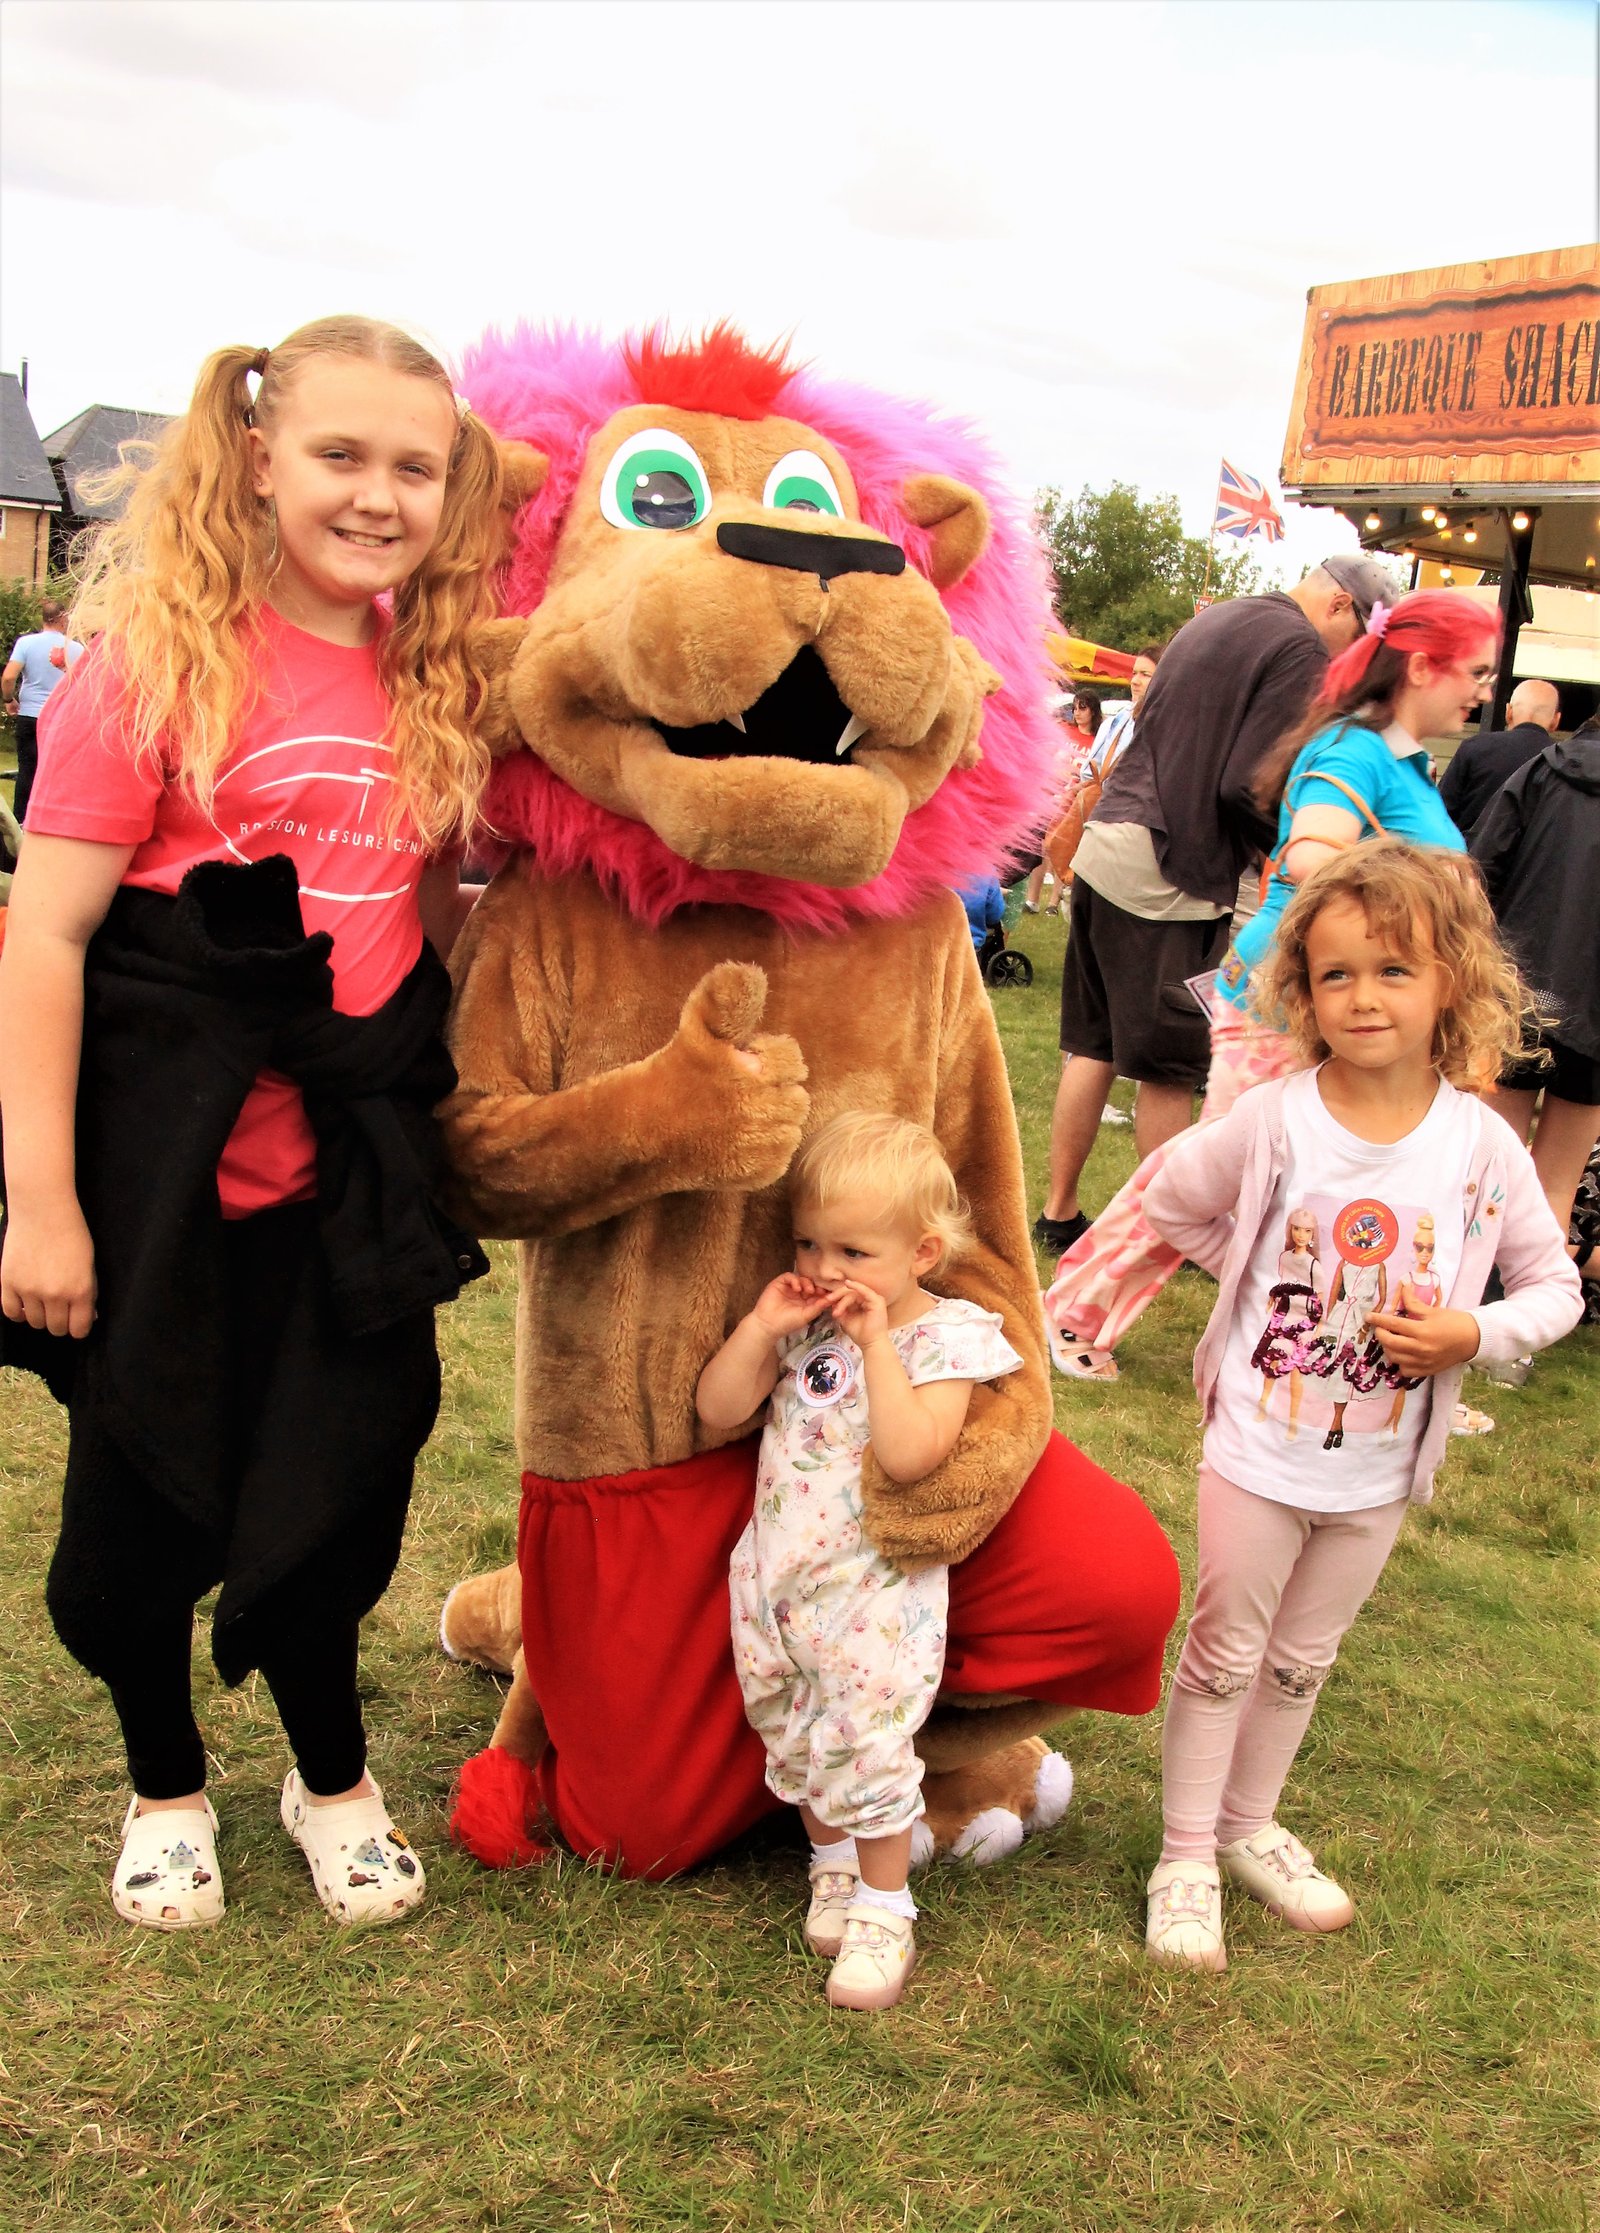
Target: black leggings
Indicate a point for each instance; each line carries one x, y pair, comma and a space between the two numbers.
127, 1574
130, 1567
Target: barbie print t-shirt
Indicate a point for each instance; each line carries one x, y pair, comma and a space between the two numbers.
1307, 1410
310, 776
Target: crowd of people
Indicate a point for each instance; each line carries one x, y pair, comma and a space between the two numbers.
1354, 1183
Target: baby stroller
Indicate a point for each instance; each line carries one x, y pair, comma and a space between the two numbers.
1000, 964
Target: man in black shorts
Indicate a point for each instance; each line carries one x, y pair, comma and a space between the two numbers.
1159, 863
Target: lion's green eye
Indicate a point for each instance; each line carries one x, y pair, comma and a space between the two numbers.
800, 482
655, 480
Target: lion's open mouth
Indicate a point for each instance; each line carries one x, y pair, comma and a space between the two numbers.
801, 717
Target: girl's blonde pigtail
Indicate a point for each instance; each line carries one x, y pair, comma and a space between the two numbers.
169, 581
440, 762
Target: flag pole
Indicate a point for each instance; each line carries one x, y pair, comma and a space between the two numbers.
1211, 543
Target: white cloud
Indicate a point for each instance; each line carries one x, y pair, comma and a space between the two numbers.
1091, 227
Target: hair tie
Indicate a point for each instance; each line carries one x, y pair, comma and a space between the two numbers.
253, 374
1378, 621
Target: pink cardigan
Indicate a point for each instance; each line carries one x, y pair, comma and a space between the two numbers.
1212, 1197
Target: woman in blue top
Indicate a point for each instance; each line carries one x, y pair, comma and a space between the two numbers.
1355, 767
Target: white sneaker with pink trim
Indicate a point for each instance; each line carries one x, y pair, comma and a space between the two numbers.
1276, 1869
876, 1957
1183, 1921
832, 1891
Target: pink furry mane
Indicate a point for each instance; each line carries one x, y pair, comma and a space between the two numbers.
556, 387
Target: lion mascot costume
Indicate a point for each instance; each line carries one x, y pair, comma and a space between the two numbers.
771, 682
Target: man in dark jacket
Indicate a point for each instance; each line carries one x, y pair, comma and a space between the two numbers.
1159, 862
1538, 845
1483, 763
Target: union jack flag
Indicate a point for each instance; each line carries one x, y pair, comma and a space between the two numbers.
1244, 507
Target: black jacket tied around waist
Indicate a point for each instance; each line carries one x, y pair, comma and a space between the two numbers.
186, 1001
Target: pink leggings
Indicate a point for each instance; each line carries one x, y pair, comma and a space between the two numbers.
1278, 1588
1106, 1280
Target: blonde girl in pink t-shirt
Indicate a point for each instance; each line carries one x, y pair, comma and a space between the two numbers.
280, 666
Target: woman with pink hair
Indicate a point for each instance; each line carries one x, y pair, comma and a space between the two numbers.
1355, 767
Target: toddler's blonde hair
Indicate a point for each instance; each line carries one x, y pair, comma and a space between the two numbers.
889, 1160
1431, 906
174, 580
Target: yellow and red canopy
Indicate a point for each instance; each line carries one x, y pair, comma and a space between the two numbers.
1082, 661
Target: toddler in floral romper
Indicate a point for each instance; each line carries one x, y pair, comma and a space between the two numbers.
838, 1652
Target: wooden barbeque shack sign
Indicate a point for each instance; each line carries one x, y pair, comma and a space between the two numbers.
1482, 374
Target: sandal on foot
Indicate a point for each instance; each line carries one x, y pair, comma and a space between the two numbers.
1080, 1360
363, 1869
167, 1876
876, 1956
1464, 1420
1183, 1922
1275, 1868
832, 1892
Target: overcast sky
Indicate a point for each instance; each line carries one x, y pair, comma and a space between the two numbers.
1091, 227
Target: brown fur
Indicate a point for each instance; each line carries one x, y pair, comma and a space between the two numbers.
610, 1136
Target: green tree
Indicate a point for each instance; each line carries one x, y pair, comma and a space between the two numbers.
19, 612
1126, 573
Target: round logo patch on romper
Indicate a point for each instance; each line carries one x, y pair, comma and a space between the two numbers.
825, 1375
1366, 1232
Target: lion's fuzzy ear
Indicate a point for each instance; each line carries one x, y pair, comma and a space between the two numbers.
494, 648
958, 519
524, 472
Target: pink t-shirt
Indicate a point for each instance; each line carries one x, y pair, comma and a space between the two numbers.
309, 777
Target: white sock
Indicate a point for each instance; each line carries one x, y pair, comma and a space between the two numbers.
841, 1854
892, 1903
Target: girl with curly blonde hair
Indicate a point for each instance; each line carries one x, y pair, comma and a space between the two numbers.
1389, 979
220, 1014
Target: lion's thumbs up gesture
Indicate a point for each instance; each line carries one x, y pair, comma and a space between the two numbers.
745, 1087
1421, 1338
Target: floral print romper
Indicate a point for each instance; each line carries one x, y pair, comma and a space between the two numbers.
839, 1653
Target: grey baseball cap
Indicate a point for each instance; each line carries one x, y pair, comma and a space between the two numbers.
1366, 582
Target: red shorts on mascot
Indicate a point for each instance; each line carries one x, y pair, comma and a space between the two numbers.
772, 681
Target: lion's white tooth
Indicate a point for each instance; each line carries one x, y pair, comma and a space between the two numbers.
735, 721
853, 728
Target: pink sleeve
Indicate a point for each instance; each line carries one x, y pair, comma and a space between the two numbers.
89, 785
1543, 1297
1192, 1198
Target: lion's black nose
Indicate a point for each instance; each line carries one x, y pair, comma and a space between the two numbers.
823, 555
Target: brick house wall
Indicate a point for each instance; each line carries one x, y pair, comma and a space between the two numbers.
24, 543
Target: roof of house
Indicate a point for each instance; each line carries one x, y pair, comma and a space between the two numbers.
25, 475
89, 443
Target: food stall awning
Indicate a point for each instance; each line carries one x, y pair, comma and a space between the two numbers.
1562, 641
1082, 661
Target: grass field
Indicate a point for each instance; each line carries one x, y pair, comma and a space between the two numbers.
558, 2049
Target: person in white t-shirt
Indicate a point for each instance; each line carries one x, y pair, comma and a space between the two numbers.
1395, 1190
